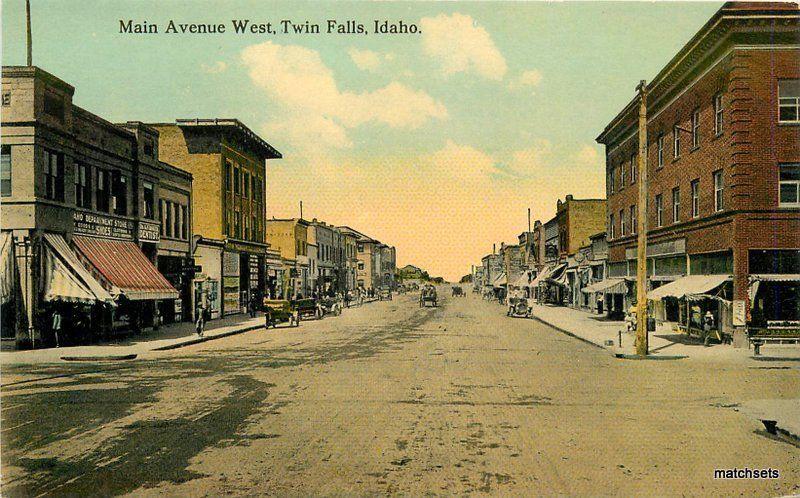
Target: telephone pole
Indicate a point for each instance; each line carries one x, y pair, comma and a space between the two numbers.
641, 250
28, 31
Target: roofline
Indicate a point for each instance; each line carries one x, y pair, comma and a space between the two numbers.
34, 71
729, 10
269, 151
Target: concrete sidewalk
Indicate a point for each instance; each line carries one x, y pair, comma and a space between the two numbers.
664, 343
167, 337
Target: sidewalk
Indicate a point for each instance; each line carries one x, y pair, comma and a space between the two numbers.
663, 343
167, 337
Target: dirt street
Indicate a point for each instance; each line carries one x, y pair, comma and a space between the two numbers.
393, 399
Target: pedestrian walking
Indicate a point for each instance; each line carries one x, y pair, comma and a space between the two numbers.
251, 306
56, 326
200, 324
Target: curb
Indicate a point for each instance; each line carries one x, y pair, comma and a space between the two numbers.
198, 340
100, 358
567, 332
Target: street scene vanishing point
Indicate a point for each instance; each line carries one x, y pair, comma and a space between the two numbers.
399, 248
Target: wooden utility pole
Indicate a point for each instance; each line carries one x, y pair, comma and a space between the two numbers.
641, 250
28, 31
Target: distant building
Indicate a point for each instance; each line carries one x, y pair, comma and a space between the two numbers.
290, 238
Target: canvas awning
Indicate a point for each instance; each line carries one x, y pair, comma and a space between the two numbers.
607, 286
500, 281
126, 267
66, 279
521, 280
7, 279
558, 276
755, 281
689, 285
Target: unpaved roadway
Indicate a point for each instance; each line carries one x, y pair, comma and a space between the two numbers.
393, 399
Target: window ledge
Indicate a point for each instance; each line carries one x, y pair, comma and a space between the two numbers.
788, 123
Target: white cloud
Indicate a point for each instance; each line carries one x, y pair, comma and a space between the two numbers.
460, 45
366, 60
215, 68
527, 79
313, 105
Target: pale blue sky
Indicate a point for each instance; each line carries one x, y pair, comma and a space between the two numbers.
585, 58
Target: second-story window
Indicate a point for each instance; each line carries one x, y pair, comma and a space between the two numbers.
676, 142
789, 101
696, 128
184, 223
719, 187
633, 219
119, 190
83, 186
622, 176
676, 204
659, 210
660, 150
789, 185
103, 190
695, 198
149, 199
622, 228
634, 161
611, 179
54, 175
246, 182
228, 175
612, 227
718, 114
237, 182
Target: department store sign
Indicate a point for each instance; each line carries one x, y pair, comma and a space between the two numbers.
102, 226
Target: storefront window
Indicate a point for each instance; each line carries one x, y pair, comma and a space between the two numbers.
719, 263
774, 261
148, 195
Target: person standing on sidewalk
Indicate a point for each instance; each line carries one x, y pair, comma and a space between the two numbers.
56, 326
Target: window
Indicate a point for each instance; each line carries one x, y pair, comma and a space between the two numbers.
5, 170
228, 176
613, 229
236, 181
246, 177
54, 106
659, 210
161, 216
148, 195
185, 224
718, 114
611, 178
168, 221
103, 191
634, 160
119, 189
254, 226
254, 188
633, 219
54, 175
789, 185
360, 265
695, 198
676, 204
789, 101
622, 229
360, 247
676, 142
660, 145
622, 170
83, 186
696, 128
719, 186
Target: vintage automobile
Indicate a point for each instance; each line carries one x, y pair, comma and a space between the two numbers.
385, 294
427, 297
458, 291
279, 311
307, 307
519, 307
330, 306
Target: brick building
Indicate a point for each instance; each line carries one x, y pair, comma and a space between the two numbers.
723, 154
228, 161
290, 238
82, 232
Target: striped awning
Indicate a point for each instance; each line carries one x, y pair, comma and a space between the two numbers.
65, 278
7, 279
126, 267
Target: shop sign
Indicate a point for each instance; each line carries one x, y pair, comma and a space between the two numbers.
230, 290
102, 226
739, 313
666, 248
230, 264
149, 232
